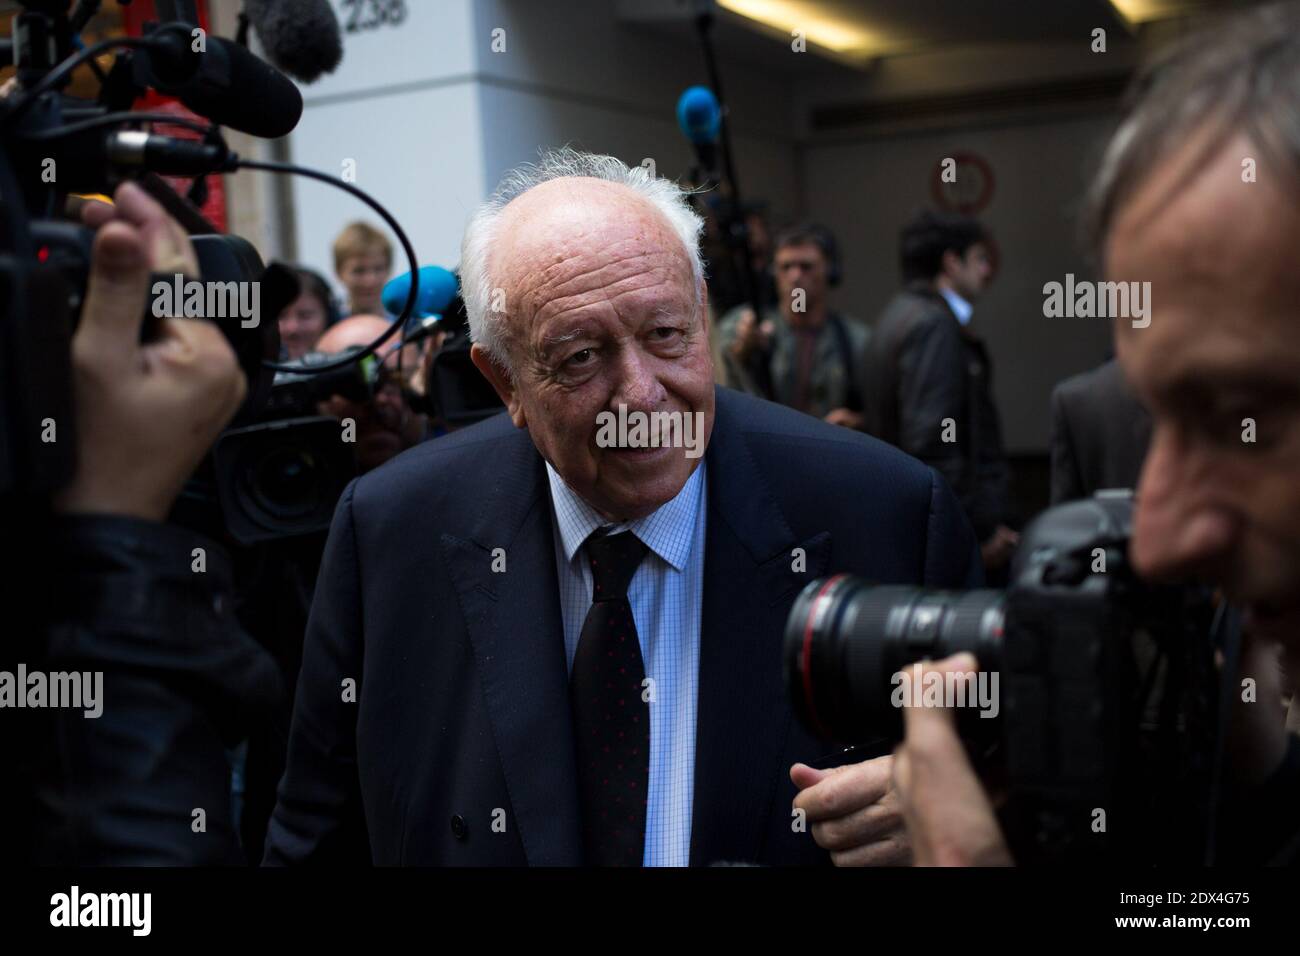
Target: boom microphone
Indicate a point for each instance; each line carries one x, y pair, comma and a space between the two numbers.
700, 118
301, 37
224, 82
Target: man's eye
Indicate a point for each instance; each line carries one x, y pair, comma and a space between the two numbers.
665, 332
578, 359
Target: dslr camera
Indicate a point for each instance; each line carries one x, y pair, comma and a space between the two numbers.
1094, 718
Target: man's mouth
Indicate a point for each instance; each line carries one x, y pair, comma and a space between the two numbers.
640, 454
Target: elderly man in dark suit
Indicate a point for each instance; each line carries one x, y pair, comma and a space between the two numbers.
541, 642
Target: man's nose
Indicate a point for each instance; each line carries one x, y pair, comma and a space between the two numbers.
638, 386
1179, 528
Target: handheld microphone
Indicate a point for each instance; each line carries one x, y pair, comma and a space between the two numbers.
301, 37
437, 289
700, 119
224, 82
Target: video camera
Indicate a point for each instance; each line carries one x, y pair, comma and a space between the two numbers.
1103, 722
276, 472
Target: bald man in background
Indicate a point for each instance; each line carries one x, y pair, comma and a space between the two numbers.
386, 424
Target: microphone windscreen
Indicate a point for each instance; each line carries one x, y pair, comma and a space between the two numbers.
699, 115
301, 37
438, 287
237, 89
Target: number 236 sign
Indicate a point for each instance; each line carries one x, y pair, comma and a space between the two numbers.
362, 15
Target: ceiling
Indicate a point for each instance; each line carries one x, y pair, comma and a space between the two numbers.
858, 33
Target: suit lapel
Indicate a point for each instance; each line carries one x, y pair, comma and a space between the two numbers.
513, 619
743, 712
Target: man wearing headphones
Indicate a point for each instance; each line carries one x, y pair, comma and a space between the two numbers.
800, 354
929, 376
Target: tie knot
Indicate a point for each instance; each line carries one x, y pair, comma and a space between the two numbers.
614, 559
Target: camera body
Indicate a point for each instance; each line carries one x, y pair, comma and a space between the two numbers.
1106, 711
54, 147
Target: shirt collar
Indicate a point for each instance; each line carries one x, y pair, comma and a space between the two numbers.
667, 531
960, 307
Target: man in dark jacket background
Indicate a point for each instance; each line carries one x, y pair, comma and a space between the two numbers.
929, 376
1100, 433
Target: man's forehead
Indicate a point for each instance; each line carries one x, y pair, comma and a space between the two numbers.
575, 225
1215, 244
1198, 210
800, 251
566, 211
1220, 252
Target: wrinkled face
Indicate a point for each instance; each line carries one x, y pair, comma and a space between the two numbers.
364, 277
602, 311
969, 273
800, 267
301, 324
1219, 368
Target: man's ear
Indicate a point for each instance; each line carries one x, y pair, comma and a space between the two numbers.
950, 263
501, 381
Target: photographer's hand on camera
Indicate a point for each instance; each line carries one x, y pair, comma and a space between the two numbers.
146, 412
950, 820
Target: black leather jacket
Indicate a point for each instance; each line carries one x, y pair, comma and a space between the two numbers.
181, 683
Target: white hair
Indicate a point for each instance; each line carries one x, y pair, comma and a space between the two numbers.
488, 327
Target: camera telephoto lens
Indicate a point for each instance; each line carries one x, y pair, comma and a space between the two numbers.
846, 638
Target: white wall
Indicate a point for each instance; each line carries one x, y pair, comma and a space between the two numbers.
866, 190
433, 116
404, 106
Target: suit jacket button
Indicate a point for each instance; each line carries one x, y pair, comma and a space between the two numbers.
458, 828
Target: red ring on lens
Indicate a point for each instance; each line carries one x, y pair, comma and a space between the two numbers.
805, 654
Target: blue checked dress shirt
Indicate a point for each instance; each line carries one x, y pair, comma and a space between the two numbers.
667, 597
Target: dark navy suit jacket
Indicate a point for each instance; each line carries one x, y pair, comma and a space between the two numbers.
461, 714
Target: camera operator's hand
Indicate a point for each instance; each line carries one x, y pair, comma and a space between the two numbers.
146, 413
1258, 720
845, 417
854, 812
998, 549
750, 335
429, 350
950, 820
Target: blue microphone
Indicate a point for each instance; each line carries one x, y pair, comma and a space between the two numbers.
437, 288
700, 117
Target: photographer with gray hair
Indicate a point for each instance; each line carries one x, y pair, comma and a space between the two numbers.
1197, 195
554, 638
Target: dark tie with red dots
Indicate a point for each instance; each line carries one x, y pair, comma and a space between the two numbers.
611, 722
